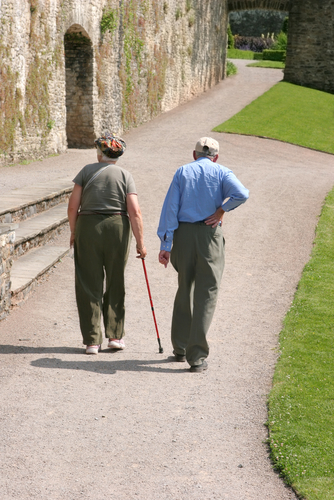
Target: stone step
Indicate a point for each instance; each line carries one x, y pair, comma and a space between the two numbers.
39, 229
23, 203
37, 214
26, 270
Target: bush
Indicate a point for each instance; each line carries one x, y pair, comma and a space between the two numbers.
231, 68
230, 38
274, 55
281, 42
258, 56
285, 26
255, 44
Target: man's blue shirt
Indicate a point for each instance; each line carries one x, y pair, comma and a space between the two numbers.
196, 191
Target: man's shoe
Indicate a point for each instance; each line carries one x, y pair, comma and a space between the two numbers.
116, 344
180, 358
93, 349
199, 368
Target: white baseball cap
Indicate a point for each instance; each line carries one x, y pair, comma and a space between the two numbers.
207, 146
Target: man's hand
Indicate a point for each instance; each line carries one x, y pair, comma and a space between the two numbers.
215, 218
164, 257
72, 238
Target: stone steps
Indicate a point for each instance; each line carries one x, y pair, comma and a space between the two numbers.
37, 214
39, 229
30, 267
20, 204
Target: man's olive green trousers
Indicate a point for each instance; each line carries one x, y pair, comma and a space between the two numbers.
198, 256
101, 251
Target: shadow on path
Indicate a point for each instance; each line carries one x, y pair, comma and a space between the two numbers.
92, 363
23, 349
109, 367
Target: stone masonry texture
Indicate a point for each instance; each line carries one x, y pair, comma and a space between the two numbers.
310, 53
73, 69
7, 237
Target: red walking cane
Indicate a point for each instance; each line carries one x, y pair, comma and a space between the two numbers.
149, 294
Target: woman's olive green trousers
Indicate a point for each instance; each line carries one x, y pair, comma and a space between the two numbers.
101, 251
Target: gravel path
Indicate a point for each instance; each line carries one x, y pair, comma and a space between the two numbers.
133, 425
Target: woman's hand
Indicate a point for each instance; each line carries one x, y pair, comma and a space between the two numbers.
136, 222
141, 251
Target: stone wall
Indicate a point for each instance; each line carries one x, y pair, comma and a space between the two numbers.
7, 238
310, 52
71, 69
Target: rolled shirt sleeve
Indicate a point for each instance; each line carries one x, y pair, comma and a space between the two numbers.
233, 191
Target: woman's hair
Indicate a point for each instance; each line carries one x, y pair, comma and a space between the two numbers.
103, 156
110, 145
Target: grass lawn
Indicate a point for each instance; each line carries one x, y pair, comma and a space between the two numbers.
301, 403
240, 54
289, 113
267, 64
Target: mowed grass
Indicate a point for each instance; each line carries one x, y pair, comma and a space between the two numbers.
289, 113
267, 64
301, 403
240, 54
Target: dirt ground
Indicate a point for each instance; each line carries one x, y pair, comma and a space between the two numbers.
134, 425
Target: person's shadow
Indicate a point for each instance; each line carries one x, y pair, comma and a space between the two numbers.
92, 363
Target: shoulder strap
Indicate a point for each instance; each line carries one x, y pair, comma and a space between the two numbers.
94, 177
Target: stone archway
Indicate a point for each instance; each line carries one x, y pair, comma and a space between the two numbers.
79, 88
283, 5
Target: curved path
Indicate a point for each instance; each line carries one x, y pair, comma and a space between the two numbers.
133, 425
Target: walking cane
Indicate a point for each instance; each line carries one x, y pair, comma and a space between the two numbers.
149, 294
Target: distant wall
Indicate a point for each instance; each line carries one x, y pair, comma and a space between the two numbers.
256, 22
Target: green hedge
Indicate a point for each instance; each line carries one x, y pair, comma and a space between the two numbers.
240, 54
258, 56
274, 55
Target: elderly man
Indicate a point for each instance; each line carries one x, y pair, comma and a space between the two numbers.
191, 218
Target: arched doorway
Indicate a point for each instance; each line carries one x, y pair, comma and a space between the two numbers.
79, 88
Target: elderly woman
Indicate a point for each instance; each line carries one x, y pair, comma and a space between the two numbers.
102, 210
